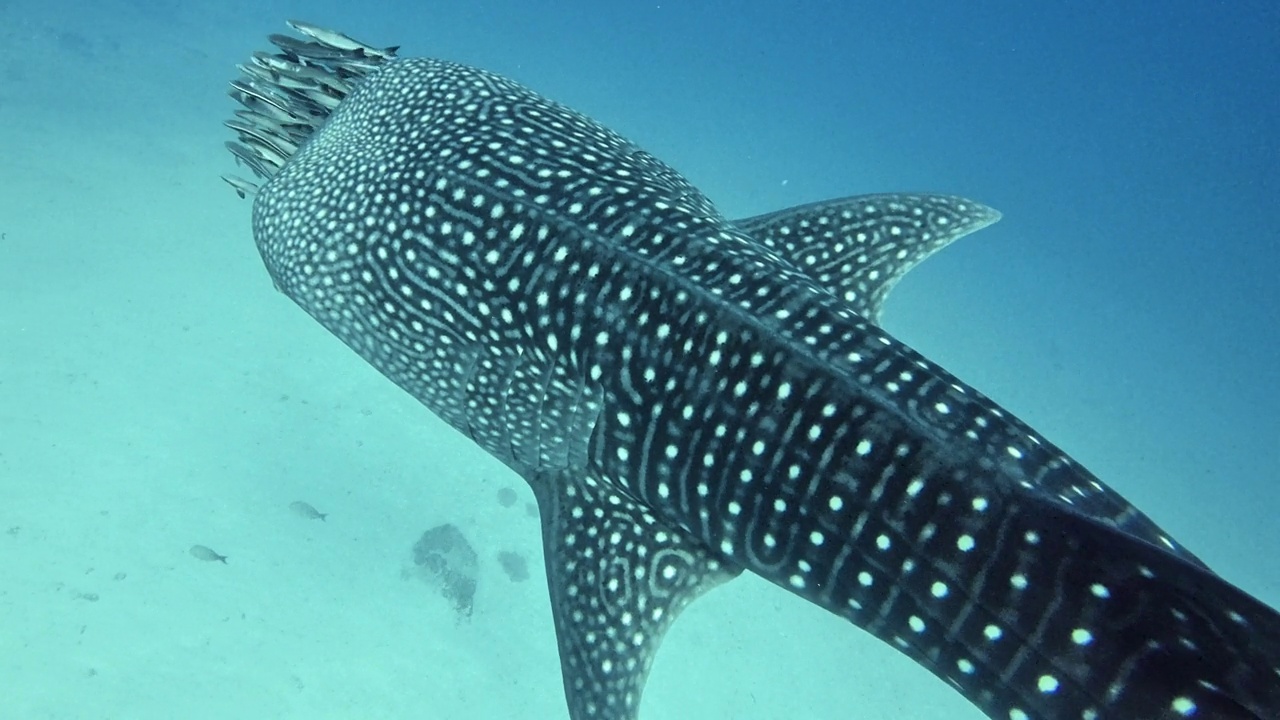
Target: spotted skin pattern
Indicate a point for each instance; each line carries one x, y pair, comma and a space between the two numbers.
690, 397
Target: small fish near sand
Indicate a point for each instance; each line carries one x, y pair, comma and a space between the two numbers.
305, 510
200, 552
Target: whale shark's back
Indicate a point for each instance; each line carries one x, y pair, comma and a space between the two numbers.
575, 306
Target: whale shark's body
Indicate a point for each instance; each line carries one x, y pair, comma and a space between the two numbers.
690, 397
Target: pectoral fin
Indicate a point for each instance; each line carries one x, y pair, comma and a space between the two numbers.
618, 578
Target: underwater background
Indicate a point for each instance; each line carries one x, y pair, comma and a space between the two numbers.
157, 394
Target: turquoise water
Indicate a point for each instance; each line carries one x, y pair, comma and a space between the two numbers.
156, 393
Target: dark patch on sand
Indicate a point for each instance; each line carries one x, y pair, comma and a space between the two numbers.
514, 565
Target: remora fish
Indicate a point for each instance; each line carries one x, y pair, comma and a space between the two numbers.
689, 397
243, 187
339, 41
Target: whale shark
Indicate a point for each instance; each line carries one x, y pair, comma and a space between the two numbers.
691, 397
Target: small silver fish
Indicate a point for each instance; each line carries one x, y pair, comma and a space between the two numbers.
200, 552
262, 92
309, 50
263, 133
305, 510
323, 99
256, 106
243, 188
276, 126
279, 65
253, 160
337, 40
275, 150
256, 72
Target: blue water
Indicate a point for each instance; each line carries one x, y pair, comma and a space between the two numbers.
156, 393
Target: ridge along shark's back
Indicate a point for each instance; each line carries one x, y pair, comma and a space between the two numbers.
690, 397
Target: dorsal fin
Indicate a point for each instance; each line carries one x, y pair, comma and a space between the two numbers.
859, 247
618, 578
